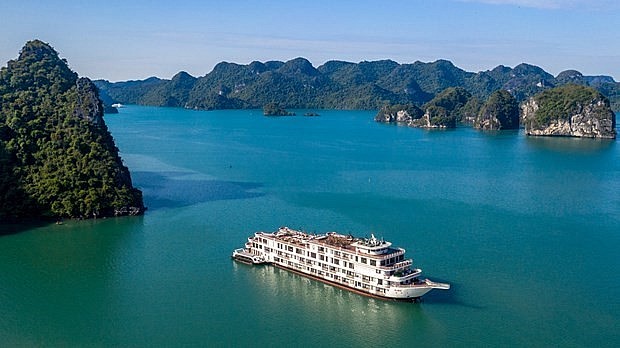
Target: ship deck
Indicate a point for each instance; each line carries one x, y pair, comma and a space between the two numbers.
330, 239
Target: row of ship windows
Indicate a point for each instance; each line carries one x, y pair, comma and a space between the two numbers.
342, 279
364, 260
284, 257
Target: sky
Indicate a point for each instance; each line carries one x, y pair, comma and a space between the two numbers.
130, 40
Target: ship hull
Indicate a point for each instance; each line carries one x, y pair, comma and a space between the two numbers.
404, 296
369, 267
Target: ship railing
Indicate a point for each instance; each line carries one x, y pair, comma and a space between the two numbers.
396, 265
426, 283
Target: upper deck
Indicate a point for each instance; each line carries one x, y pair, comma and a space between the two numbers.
368, 247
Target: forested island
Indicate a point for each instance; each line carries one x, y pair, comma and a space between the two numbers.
57, 157
569, 110
275, 109
297, 84
428, 95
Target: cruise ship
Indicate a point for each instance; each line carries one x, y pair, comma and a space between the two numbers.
368, 266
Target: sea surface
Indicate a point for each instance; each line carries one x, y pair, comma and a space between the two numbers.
526, 230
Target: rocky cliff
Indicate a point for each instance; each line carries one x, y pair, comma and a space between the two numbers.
57, 157
501, 111
404, 114
88, 106
570, 110
443, 111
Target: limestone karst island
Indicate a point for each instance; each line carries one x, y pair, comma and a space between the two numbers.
429, 95
57, 157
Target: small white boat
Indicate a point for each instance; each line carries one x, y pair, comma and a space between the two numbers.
117, 105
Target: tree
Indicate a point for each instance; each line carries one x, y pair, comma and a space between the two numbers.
57, 156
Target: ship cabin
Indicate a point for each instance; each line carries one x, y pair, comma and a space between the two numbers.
372, 246
342, 258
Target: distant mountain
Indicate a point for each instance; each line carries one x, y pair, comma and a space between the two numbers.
340, 85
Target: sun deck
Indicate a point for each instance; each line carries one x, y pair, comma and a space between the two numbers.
371, 248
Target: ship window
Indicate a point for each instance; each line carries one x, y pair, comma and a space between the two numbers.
380, 281
363, 260
356, 260
321, 258
336, 261
373, 262
382, 263
313, 255
350, 265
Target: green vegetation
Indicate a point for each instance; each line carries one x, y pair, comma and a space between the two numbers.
612, 91
275, 109
501, 111
340, 85
447, 108
389, 113
562, 102
57, 158
470, 110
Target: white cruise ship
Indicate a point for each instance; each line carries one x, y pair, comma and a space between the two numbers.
369, 267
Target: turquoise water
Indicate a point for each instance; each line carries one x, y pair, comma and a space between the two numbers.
525, 230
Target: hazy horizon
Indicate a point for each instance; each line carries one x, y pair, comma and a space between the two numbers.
120, 41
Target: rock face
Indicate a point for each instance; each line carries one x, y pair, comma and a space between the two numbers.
571, 110
501, 111
436, 117
445, 109
404, 114
88, 107
57, 157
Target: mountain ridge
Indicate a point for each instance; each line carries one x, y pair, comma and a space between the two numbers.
342, 85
